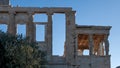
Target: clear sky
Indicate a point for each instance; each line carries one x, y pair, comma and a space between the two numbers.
88, 12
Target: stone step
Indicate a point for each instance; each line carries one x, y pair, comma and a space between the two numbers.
58, 59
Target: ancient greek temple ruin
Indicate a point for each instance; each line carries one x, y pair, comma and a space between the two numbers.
78, 37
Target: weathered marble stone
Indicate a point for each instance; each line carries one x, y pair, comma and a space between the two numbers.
4, 2
78, 37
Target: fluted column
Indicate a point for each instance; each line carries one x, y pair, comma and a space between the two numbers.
12, 24
30, 27
106, 44
49, 35
91, 44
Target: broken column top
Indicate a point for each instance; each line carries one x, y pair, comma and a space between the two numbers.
4, 2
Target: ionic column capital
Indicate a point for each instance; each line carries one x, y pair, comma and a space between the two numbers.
70, 13
49, 13
30, 13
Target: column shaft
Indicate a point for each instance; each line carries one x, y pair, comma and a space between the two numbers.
49, 36
12, 24
30, 27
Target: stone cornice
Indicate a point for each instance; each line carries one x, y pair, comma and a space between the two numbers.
94, 27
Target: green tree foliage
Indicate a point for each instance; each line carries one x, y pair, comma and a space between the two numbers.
18, 52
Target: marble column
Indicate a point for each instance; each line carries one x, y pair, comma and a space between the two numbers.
49, 35
12, 24
91, 44
106, 44
30, 27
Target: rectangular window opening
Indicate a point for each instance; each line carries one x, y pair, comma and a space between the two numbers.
3, 27
21, 29
40, 32
40, 18
58, 34
86, 52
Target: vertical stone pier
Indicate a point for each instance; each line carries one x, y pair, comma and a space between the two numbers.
70, 33
12, 24
49, 36
30, 27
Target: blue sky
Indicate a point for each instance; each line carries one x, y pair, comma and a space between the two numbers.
88, 12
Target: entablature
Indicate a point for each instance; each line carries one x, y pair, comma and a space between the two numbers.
36, 9
92, 29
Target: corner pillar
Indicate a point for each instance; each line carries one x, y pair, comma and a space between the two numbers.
70, 37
